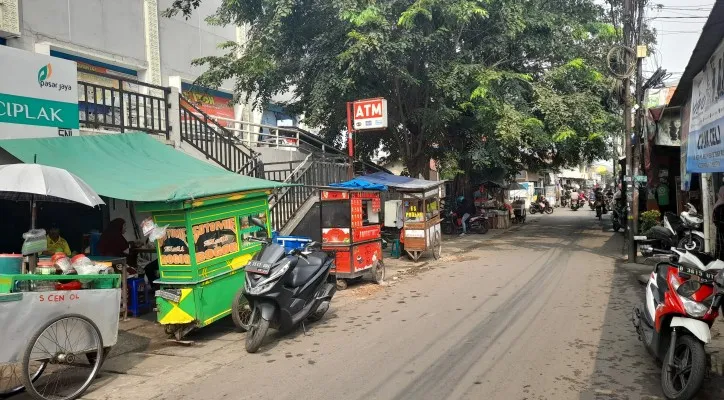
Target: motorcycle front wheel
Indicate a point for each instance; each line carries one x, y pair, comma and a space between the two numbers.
549, 210
258, 327
691, 243
532, 210
684, 379
480, 228
616, 225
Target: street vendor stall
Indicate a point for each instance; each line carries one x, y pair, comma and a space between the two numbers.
421, 207
351, 224
58, 319
202, 255
202, 251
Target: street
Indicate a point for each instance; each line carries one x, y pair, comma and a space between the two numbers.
539, 312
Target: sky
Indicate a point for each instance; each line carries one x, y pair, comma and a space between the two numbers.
678, 24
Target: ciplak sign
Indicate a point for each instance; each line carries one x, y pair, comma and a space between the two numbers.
369, 114
38, 95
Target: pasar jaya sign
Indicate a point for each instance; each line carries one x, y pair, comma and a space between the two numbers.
369, 114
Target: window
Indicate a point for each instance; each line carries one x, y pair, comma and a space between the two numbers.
369, 215
336, 214
414, 210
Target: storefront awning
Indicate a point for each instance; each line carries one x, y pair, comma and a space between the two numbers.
134, 167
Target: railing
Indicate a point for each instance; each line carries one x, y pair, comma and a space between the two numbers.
119, 104
286, 203
215, 142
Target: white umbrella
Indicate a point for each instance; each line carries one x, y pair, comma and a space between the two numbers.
37, 182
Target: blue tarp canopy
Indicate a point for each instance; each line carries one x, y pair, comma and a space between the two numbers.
382, 180
359, 184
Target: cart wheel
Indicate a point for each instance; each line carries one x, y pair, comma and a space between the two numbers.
378, 272
341, 284
169, 329
64, 343
436, 246
240, 311
11, 381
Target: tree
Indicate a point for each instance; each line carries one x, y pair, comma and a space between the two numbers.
474, 84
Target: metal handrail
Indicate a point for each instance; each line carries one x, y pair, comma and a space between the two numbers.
214, 141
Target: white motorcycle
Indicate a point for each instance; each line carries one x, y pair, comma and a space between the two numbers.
674, 322
681, 232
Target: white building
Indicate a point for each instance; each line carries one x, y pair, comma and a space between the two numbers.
130, 39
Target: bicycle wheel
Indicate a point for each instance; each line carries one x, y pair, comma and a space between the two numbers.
10, 377
64, 343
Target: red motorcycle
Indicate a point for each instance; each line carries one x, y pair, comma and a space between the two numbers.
683, 298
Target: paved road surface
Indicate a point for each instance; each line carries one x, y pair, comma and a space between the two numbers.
540, 312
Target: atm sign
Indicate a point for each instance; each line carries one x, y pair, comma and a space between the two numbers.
370, 114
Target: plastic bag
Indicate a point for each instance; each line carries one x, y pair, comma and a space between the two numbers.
35, 241
157, 233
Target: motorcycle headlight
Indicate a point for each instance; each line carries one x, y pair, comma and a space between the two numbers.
696, 310
265, 284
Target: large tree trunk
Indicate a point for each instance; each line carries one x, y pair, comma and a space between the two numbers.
419, 166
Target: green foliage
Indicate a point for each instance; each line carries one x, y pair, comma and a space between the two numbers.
503, 84
649, 219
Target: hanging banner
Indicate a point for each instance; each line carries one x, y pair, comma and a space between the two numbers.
705, 150
38, 95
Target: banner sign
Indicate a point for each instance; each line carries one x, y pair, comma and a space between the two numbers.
38, 95
174, 247
705, 150
215, 239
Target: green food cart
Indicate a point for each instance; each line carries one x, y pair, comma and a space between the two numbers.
203, 254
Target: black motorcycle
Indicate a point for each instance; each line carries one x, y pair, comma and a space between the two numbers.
619, 217
285, 290
541, 207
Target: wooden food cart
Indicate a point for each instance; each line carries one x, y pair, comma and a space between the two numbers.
421, 207
202, 255
422, 221
351, 226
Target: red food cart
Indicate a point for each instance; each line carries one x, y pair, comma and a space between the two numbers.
351, 229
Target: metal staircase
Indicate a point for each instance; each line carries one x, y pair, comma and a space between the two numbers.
215, 142
231, 148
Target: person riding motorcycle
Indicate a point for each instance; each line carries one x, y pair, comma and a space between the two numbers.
465, 209
598, 196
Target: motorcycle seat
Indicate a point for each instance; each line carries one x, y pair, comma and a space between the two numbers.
306, 269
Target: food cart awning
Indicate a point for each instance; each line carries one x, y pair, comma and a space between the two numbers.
360, 184
134, 167
401, 183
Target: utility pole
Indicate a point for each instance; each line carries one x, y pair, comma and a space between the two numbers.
639, 120
628, 184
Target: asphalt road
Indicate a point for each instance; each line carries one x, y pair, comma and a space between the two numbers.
540, 312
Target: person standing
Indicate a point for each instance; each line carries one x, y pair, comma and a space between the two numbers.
466, 209
112, 242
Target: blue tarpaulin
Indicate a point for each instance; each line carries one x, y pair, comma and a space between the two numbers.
382, 180
360, 184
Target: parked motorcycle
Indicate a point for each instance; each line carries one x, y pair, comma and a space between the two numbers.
619, 216
688, 228
452, 223
541, 207
674, 321
285, 290
665, 236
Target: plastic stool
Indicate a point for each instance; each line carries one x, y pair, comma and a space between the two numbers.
396, 250
139, 299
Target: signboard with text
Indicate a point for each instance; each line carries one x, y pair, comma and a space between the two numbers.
38, 95
369, 114
705, 150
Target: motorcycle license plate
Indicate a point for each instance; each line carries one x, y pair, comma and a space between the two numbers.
258, 267
709, 275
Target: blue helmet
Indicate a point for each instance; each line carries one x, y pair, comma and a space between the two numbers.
460, 199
